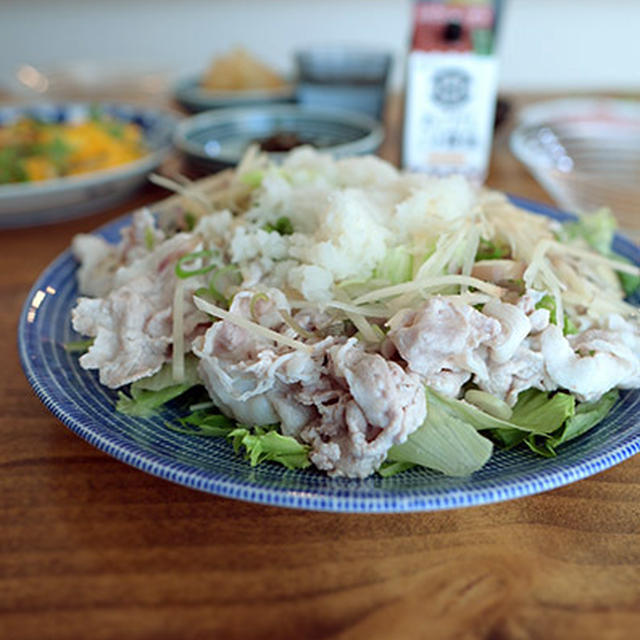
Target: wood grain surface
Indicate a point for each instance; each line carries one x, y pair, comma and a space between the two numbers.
93, 549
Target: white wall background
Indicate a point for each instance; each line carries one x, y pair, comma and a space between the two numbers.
546, 44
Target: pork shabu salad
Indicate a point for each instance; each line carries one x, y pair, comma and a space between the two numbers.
346, 315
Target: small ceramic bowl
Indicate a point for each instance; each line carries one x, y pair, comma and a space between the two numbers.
344, 78
192, 96
218, 139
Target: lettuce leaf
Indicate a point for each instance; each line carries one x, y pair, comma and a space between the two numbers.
542, 412
389, 468
556, 420
149, 394
536, 415
265, 443
597, 230
164, 377
144, 403
489, 250
548, 302
536, 411
446, 441
206, 424
260, 443
628, 282
541, 415
586, 416
396, 266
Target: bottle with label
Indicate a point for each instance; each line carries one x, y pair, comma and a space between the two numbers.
452, 74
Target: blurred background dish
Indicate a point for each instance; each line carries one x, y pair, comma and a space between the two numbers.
218, 139
585, 153
190, 95
26, 203
233, 79
344, 78
238, 70
86, 80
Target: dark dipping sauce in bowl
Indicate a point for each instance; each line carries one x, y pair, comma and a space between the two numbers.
282, 141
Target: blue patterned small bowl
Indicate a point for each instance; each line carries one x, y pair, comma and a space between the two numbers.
219, 139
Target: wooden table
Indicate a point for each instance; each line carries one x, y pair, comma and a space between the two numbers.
93, 549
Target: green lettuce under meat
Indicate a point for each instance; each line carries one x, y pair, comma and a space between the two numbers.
598, 229
457, 438
489, 250
540, 420
628, 281
586, 416
146, 396
144, 403
259, 443
446, 441
549, 303
263, 444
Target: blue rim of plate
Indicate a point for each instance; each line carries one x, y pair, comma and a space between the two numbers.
76, 398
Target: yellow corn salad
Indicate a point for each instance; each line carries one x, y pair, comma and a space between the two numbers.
31, 150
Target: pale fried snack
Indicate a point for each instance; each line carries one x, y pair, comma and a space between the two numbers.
240, 71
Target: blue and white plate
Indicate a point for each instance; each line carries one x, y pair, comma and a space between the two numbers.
209, 464
47, 201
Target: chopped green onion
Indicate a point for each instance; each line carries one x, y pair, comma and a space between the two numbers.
189, 257
488, 250
190, 220
78, 346
252, 179
149, 240
282, 226
289, 321
215, 286
254, 300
